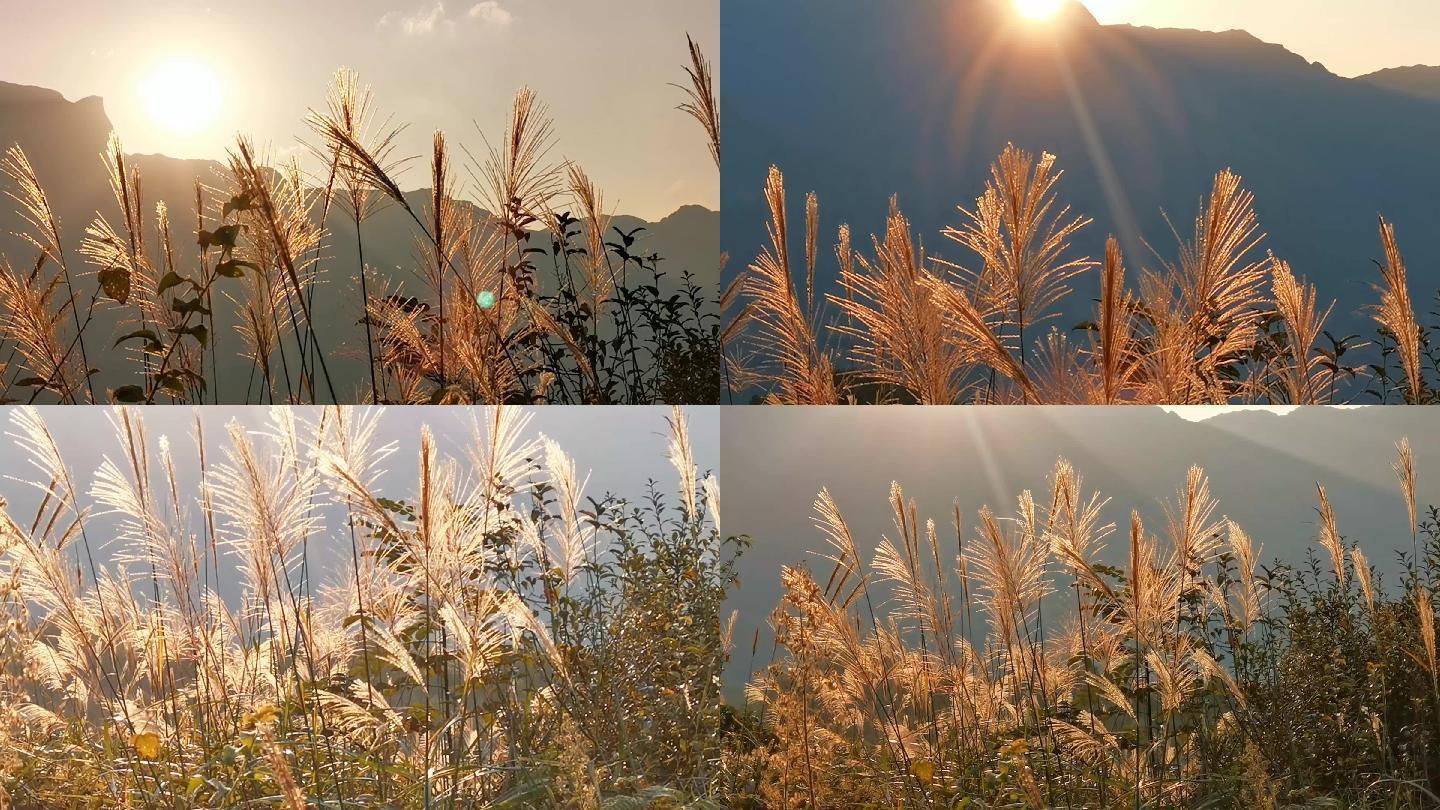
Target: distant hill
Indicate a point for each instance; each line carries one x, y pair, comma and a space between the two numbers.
858, 100
64, 140
1421, 81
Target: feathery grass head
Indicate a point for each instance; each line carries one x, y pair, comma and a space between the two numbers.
1246, 553
33, 203
783, 334
1330, 538
361, 149
1297, 304
1115, 350
1404, 467
600, 279
516, 180
683, 461
28, 319
1021, 234
703, 106
1362, 575
1218, 283
904, 333
1396, 313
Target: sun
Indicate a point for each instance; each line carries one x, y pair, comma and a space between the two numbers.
182, 95
1038, 9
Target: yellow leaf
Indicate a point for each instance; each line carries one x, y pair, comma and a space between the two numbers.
924, 770
147, 744
264, 714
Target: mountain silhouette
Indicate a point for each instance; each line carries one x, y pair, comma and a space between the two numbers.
858, 100
1421, 81
64, 141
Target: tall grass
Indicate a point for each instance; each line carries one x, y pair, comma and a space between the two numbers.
535, 298
1222, 322
493, 636
1002, 662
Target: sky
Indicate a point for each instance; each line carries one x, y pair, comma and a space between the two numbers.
1350, 38
604, 69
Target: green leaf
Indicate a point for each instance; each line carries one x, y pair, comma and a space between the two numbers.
115, 282
171, 279
128, 394
240, 202
224, 237
173, 382
234, 268
198, 331
183, 306
152, 340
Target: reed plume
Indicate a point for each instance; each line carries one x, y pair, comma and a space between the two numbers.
1404, 467
43, 233
1218, 324
482, 607
26, 307
1330, 538
1397, 315
903, 333
281, 219
1115, 342
362, 153
882, 693
784, 335
703, 105
1296, 302
1021, 237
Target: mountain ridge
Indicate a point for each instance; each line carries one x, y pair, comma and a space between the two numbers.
13, 94
1422, 81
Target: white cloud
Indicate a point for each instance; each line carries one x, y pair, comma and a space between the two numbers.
491, 13
425, 20
433, 19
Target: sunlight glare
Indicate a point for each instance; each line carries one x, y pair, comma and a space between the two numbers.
1038, 9
182, 96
